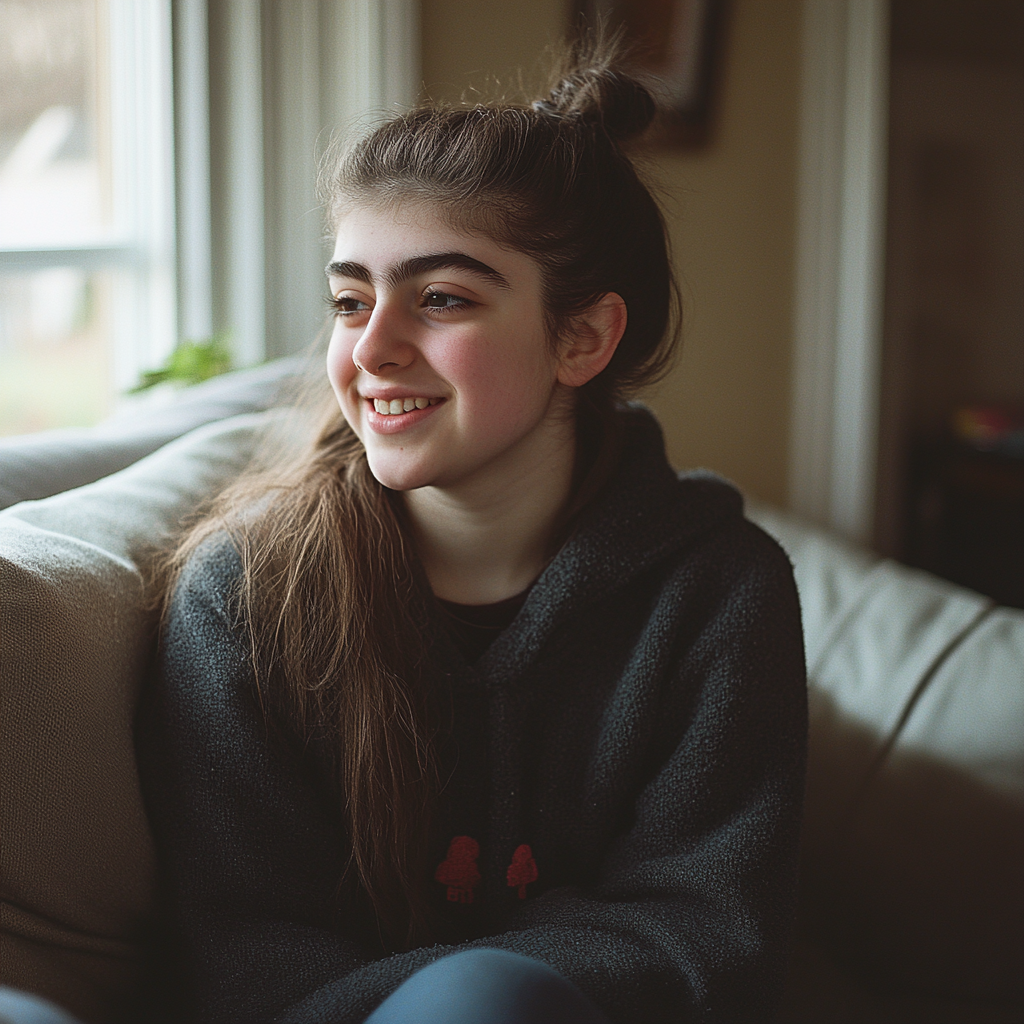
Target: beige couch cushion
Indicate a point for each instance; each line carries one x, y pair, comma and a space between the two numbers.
933, 857
913, 858
76, 861
971, 714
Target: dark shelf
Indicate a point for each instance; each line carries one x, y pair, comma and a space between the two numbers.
966, 518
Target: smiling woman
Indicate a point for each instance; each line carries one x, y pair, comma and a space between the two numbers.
474, 711
478, 396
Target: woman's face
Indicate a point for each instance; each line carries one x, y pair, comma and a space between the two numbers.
439, 355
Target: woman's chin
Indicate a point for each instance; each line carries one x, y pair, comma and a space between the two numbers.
398, 475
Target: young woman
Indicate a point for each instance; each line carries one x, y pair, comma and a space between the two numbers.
475, 711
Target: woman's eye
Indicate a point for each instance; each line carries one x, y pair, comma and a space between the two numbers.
445, 300
345, 305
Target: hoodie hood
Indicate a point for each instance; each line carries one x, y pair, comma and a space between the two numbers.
644, 514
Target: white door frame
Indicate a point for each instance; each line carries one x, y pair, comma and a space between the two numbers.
840, 259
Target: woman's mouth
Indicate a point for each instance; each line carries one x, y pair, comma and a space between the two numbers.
391, 416
400, 405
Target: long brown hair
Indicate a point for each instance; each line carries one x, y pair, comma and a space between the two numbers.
337, 609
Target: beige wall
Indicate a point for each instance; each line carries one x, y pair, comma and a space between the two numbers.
731, 209
471, 44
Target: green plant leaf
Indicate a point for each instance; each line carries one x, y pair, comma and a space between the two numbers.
190, 363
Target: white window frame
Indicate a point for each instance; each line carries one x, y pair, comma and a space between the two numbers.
190, 256
138, 249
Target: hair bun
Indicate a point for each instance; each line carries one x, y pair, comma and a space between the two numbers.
593, 86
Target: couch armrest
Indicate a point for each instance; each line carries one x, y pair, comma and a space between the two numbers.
76, 858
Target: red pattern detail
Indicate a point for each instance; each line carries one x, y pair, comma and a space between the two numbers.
459, 871
523, 869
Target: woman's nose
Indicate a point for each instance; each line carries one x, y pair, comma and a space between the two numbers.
383, 345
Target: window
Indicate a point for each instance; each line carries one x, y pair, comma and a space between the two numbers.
141, 206
86, 214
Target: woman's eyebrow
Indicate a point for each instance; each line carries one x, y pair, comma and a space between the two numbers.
415, 265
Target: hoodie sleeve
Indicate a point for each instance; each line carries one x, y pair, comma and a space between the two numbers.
251, 848
251, 853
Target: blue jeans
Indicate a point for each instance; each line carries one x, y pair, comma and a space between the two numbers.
480, 986
487, 986
17, 1007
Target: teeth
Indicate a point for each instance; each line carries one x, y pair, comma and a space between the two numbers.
397, 405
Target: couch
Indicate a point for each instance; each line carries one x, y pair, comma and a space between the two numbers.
912, 898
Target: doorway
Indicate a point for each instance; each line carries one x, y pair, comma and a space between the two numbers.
950, 470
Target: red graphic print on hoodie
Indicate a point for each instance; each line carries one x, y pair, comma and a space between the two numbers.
522, 870
459, 871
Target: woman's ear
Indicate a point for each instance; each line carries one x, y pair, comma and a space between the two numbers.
593, 342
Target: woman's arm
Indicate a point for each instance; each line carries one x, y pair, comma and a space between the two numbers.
251, 848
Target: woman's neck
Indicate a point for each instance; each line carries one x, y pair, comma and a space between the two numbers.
489, 539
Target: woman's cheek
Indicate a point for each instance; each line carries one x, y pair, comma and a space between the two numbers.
341, 370
340, 366
516, 402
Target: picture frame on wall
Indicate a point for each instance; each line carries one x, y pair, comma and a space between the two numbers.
678, 43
